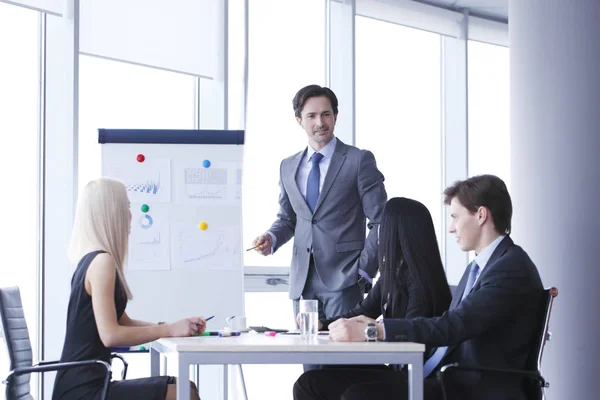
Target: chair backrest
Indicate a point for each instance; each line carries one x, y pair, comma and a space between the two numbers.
16, 336
542, 336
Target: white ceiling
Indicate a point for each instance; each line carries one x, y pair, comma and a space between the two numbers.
495, 9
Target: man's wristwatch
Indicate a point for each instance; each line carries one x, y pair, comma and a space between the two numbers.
371, 332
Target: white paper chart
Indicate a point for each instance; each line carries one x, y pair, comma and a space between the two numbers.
211, 248
145, 181
149, 239
218, 185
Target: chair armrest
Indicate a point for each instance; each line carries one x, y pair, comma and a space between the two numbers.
457, 367
125, 364
46, 363
526, 374
56, 367
45, 366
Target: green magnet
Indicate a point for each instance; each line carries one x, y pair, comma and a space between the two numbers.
145, 208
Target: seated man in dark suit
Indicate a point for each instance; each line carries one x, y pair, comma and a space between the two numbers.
491, 320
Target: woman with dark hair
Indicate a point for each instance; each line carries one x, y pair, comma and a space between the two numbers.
412, 282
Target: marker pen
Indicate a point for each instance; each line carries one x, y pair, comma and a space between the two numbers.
229, 333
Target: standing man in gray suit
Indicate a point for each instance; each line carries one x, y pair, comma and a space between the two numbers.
328, 191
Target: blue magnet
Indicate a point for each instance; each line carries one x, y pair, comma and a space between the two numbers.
206, 163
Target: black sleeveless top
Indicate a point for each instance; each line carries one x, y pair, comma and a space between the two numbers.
82, 340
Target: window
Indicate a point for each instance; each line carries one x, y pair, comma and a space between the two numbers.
120, 95
19, 121
284, 56
398, 109
286, 51
125, 96
489, 131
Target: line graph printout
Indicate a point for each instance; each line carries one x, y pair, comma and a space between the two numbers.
216, 248
148, 240
215, 185
146, 181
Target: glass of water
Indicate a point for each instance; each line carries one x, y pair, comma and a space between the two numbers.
309, 318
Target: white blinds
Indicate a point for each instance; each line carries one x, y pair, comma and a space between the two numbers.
178, 35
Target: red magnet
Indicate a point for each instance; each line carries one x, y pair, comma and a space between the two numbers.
140, 158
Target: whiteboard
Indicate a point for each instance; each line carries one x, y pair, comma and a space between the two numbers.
185, 253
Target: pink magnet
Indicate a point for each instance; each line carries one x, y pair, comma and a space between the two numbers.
270, 333
140, 158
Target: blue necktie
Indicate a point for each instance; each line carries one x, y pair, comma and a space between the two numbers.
435, 359
314, 179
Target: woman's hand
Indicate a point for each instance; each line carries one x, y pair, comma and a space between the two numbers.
187, 327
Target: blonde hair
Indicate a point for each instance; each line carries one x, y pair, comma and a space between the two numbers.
102, 223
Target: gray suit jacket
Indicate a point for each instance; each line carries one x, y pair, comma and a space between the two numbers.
335, 233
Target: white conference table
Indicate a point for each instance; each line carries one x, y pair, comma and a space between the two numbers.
252, 348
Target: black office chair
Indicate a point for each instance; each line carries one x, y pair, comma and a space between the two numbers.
14, 329
533, 381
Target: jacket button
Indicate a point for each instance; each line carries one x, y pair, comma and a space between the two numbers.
307, 250
314, 221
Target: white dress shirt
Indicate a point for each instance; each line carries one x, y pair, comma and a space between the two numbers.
306, 165
482, 258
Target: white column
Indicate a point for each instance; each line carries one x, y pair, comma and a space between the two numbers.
340, 64
60, 175
212, 109
454, 142
555, 141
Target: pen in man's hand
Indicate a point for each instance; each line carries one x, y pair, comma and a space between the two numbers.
255, 247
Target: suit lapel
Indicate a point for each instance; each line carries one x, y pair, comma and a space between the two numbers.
337, 160
500, 250
292, 186
460, 289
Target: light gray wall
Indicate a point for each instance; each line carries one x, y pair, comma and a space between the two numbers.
555, 140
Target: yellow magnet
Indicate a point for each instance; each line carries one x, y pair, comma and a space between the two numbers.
203, 226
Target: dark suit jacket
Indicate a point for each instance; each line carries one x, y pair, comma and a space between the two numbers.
374, 305
335, 233
410, 304
493, 326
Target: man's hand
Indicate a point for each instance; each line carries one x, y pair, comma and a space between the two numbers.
363, 318
263, 244
347, 330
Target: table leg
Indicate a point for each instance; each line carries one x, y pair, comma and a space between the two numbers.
154, 362
415, 377
225, 382
183, 380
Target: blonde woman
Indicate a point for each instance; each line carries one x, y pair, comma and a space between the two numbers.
96, 319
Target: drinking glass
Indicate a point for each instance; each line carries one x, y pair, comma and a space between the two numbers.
309, 318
